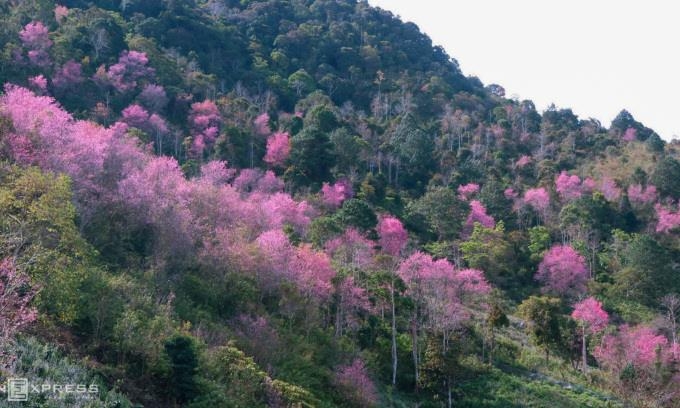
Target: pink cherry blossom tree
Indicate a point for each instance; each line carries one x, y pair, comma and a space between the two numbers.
130, 68
69, 75
439, 293
261, 124
356, 385
392, 235
158, 195
35, 37
277, 254
630, 134
352, 301
610, 189
641, 196
136, 116
568, 187
563, 271
593, 319
60, 13
538, 199
588, 185
269, 183
477, 215
510, 193
668, 219
636, 345
38, 83
643, 352
465, 192
313, 273
351, 250
278, 149
247, 179
280, 209
216, 173
205, 121
523, 161
334, 194
450, 296
153, 97
392, 239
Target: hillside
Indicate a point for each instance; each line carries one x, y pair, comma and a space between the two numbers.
306, 204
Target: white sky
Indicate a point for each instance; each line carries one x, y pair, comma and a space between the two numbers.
593, 56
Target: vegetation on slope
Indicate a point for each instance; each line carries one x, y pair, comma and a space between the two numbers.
305, 203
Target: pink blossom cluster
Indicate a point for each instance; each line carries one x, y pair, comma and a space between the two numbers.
35, 37
523, 161
667, 218
70, 74
278, 149
465, 192
392, 235
38, 83
477, 215
444, 292
353, 379
205, 121
334, 194
153, 97
130, 68
109, 170
510, 193
261, 124
138, 117
351, 249
591, 315
568, 187
610, 189
638, 195
60, 13
638, 345
630, 134
537, 198
563, 271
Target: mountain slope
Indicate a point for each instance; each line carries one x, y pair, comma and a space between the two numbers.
305, 203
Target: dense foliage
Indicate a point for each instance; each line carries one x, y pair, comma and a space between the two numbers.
305, 203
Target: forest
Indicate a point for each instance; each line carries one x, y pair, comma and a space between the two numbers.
305, 203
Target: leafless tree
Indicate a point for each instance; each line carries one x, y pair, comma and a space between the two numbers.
671, 305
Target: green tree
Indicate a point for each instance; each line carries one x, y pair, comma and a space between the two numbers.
539, 242
182, 353
666, 177
543, 322
311, 158
495, 319
414, 148
439, 212
37, 225
357, 213
301, 82
488, 249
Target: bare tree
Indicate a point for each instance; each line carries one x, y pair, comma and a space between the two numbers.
99, 39
671, 304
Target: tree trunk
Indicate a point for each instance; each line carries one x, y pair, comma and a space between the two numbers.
583, 350
492, 345
414, 350
449, 402
394, 337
